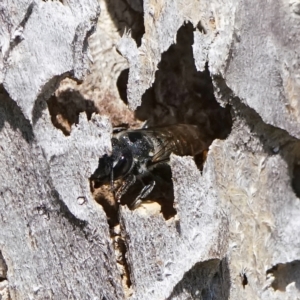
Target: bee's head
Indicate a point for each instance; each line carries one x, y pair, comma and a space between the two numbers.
115, 166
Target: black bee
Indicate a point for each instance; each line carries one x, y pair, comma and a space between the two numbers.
136, 153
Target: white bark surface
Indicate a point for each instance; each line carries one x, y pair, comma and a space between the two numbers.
236, 231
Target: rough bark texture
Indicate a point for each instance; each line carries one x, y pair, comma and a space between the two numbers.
234, 229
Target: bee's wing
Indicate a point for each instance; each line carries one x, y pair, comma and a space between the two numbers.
163, 152
163, 145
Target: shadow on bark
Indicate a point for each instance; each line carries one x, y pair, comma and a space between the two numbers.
274, 140
11, 113
206, 281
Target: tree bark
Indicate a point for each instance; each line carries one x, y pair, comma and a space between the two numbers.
228, 228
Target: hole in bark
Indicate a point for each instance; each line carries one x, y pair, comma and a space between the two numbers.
284, 274
65, 107
127, 16
122, 85
244, 278
104, 196
180, 94
120, 249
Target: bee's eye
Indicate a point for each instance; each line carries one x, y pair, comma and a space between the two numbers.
104, 169
123, 166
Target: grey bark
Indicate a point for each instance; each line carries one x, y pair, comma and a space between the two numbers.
235, 231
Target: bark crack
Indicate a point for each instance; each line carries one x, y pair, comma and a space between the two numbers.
17, 36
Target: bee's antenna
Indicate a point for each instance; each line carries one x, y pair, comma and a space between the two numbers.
119, 129
145, 125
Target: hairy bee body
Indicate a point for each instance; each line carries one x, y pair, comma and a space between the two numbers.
136, 152
156, 144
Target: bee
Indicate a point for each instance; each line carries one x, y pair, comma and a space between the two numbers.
136, 153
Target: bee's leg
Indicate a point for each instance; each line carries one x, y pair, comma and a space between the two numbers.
112, 186
128, 182
143, 194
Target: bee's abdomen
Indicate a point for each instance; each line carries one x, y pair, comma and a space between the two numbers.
188, 139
